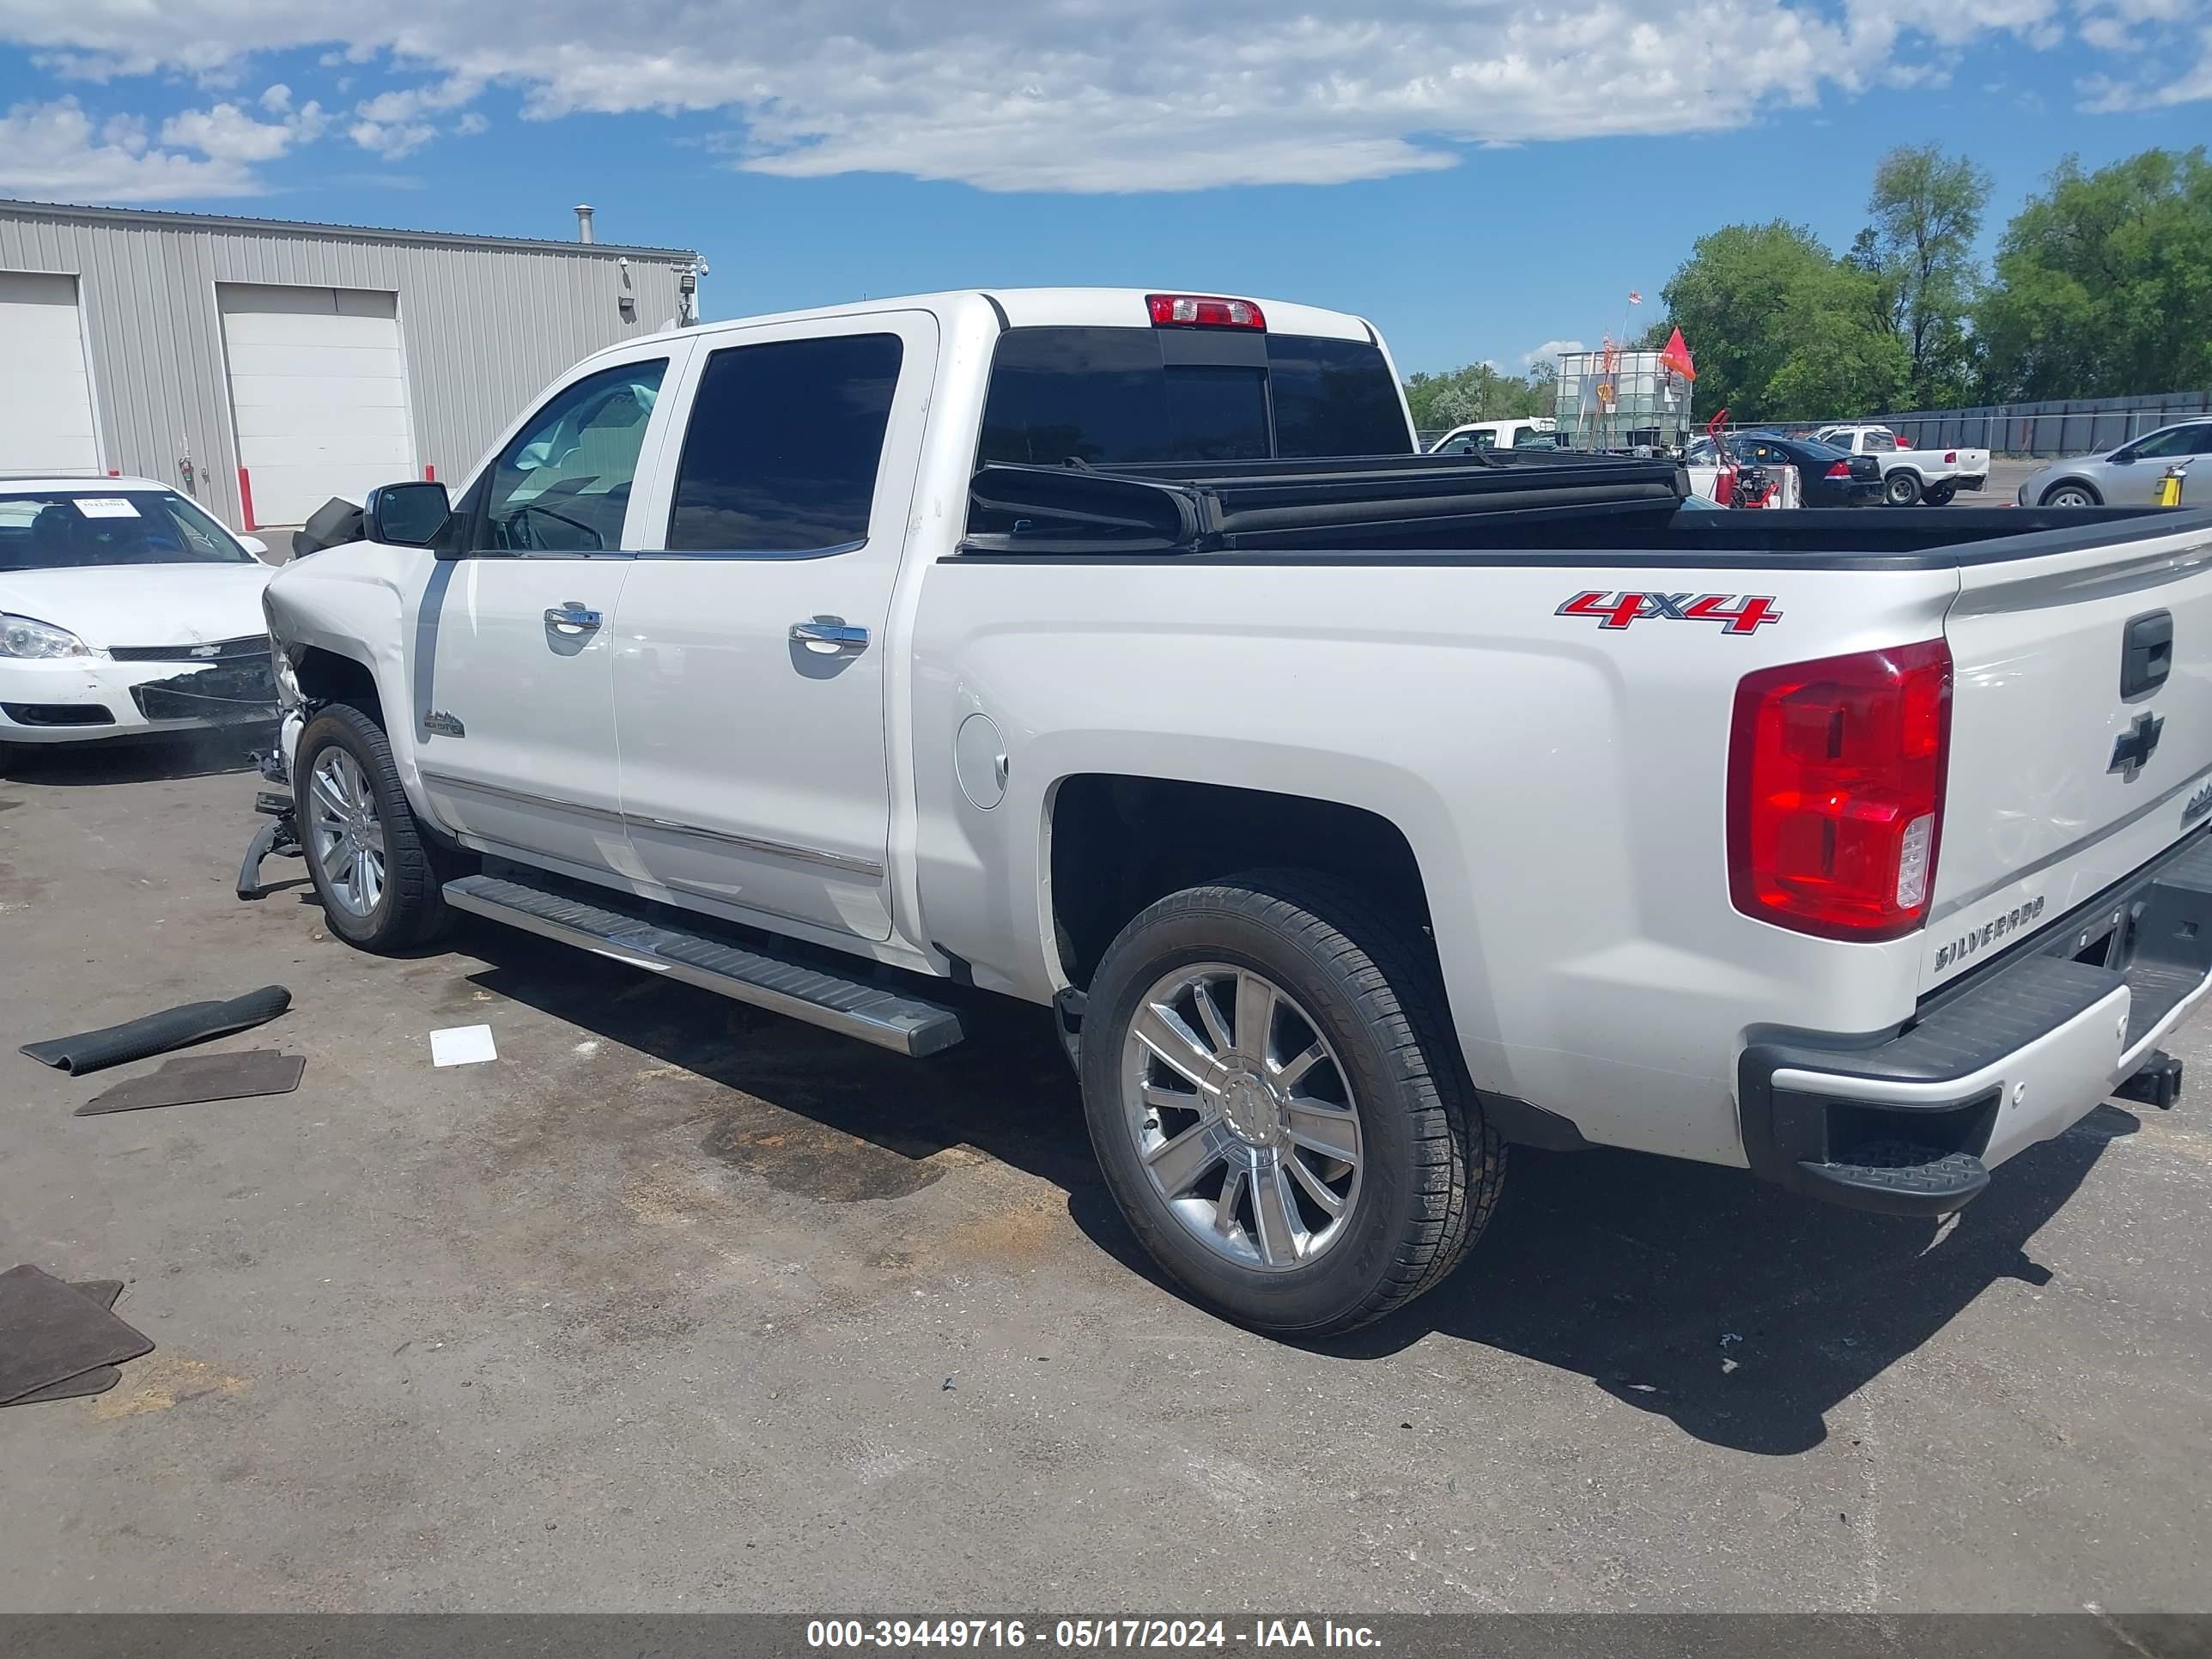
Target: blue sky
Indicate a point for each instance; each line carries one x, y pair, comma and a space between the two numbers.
1482, 178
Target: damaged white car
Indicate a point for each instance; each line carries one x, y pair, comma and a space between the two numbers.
124, 609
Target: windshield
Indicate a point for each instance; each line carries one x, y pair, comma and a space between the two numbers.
65, 529
1117, 397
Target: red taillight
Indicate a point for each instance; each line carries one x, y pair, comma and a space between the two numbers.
1835, 772
1840, 469
1950, 458
1202, 310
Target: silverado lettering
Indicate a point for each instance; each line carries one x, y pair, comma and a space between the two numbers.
1997, 928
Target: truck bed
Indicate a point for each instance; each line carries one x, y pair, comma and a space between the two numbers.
1486, 508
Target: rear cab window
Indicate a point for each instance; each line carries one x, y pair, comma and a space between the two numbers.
1126, 397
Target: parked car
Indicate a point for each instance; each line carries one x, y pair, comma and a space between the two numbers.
1532, 432
1826, 477
1910, 476
2126, 476
1352, 818
125, 609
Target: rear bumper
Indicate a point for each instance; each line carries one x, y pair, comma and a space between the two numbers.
1859, 492
1912, 1121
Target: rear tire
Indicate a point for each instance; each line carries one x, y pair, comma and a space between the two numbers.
1901, 489
374, 869
1941, 495
1349, 1070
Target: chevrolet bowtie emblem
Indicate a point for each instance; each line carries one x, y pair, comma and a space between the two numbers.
2132, 749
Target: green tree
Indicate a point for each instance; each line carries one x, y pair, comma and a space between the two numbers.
1480, 391
1926, 210
2103, 284
1783, 329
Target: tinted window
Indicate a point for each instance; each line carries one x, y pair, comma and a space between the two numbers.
784, 438
1109, 396
2181, 440
564, 485
1334, 397
45, 530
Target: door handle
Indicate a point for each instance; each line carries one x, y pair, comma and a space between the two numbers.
573, 614
829, 636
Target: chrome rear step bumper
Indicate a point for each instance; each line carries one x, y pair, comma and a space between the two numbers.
1911, 1121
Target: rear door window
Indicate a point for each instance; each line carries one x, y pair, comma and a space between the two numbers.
785, 440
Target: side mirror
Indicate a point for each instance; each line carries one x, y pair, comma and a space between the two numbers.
407, 514
254, 545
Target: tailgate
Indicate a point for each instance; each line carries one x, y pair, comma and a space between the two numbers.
2068, 768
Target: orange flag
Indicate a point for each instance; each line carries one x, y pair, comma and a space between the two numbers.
1676, 356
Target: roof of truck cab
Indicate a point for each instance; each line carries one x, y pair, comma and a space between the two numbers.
1050, 308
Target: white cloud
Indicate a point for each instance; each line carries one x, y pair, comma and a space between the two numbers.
1071, 96
277, 99
391, 139
1548, 352
470, 124
226, 133
50, 151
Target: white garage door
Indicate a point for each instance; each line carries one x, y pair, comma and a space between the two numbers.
46, 418
319, 393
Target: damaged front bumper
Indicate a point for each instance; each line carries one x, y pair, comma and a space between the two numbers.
280, 835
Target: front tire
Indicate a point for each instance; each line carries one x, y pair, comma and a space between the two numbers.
1272, 1088
1901, 489
2072, 494
373, 868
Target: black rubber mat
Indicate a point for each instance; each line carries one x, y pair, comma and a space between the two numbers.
50, 1332
192, 1077
101, 1378
156, 1034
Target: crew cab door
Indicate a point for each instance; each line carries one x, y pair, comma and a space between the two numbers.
515, 643
751, 680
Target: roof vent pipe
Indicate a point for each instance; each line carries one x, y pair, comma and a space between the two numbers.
583, 221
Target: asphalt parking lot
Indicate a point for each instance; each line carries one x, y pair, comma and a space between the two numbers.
679, 1306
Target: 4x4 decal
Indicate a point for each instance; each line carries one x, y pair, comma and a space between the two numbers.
1737, 613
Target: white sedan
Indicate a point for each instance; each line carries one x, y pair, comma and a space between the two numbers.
124, 609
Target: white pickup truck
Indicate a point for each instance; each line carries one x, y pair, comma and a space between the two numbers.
1911, 476
1354, 818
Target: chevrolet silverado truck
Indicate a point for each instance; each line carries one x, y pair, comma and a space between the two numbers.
1355, 813
1911, 476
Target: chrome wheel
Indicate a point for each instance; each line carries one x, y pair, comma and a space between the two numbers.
347, 837
2070, 495
1242, 1117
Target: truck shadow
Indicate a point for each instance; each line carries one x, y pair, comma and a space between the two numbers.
1740, 1313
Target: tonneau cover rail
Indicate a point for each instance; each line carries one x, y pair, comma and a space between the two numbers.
1205, 507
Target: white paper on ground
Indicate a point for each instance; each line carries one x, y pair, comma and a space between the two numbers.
462, 1045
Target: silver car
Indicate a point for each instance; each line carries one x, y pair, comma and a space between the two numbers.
2128, 475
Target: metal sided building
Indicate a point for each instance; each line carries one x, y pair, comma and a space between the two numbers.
264, 366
